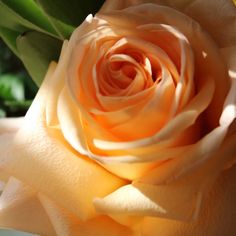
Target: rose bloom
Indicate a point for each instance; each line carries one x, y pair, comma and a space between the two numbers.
132, 132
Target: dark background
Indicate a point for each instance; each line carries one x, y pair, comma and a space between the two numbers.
16, 87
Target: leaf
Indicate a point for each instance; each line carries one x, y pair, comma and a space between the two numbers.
11, 88
28, 14
71, 12
9, 37
31, 12
36, 51
63, 30
12, 20
16, 22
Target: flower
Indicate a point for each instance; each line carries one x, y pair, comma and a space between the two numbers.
132, 131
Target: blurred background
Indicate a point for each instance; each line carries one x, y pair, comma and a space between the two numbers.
17, 89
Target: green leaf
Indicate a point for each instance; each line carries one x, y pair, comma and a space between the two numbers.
71, 12
30, 11
28, 15
36, 51
21, 23
11, 88
9, 37
63, 30
12, 20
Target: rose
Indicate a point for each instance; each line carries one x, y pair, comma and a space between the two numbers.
141, 102
173, 165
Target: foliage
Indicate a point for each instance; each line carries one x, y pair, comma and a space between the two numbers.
49, 21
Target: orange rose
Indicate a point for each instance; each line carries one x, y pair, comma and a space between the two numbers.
131, 130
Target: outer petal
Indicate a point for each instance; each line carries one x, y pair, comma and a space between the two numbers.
5, 140
110, 5
229, 113
66, 224
218, 17
9, 125
150, 200
179, 199
39, 156
20, 209
217, 215
8, 128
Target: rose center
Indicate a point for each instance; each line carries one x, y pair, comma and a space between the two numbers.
125, 70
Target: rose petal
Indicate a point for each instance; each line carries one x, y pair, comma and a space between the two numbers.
208, 61
149, 200
229, 112
216, 217
176, 125
5, 140
202, 11
67, 178
221, 24
56, 81
67, 224
190, 157
179, 199
20, 209
8, 125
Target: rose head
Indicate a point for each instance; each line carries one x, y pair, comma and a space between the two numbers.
134, 124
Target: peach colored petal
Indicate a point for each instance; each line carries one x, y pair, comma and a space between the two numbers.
221, 25
189, 158
147, 200
200, 10
129, 165
126, 170
216, 217
56, 82
20, 209
8, 125
176, 125
83, 58
67, 178
178, 199
229, 113
208, 145
67, 224
155, 112
5, 140
133, 222
110, 5
74, 126
70, 122
208, 61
